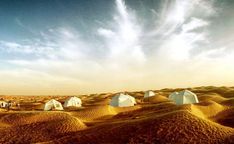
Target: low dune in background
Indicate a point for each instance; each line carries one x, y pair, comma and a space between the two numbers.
152, 120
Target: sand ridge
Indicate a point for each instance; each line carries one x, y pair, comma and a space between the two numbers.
37, 126
157, 129
152, 120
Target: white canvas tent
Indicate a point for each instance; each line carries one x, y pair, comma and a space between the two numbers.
122, 100
73, 101
149, 94
53, 105
3, 104
183, 97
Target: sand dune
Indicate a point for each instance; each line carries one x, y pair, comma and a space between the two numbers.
225, 117
37, 126
91, 113
228, 102
97, 112
152, 120
156, 99
186, 128
212, 96
207, 109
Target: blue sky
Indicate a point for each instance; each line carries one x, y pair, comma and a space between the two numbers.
89, 46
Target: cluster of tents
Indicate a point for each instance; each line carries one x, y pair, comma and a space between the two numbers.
182, 97
56, 105
125, 100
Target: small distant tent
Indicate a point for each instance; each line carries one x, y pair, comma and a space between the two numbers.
73, 101
3, 104
122, 100
53, 105
183, 97
149, 94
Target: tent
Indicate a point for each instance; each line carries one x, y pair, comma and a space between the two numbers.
149, 94
73, 101
122, 100
183, 97
3, 104
53, 105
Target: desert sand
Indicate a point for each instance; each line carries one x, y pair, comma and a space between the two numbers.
152, 120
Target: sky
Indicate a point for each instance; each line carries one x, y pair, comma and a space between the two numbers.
58, 47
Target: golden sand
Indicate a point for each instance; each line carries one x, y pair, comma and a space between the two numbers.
152, 120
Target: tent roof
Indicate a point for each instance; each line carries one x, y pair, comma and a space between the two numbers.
3, 101
52, 101
186, 92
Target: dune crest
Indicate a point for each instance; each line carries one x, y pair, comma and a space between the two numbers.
155, 119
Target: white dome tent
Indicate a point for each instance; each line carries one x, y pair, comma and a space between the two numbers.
122, 100
53, 105
183, 97
73, 101
3, 104
149, 94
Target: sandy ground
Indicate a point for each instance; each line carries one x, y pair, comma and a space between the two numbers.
153, 120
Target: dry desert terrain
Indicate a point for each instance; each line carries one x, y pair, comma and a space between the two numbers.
152, 120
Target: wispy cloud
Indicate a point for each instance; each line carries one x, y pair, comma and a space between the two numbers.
176, 26
122, 52
194, 24
123, 35
31, 47
180, 29
25, 27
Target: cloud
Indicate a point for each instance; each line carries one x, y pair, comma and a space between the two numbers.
221, 54
194, 24
24, 26
174, 32
173, 14
180, 29
25, 48
55, 43
122, 53
76, 58
106, 32
122, 36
